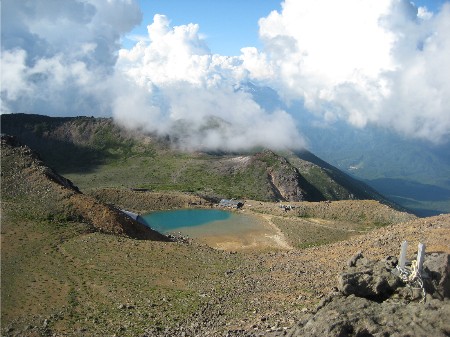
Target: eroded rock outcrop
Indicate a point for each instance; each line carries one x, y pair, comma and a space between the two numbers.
284, 178
371, 300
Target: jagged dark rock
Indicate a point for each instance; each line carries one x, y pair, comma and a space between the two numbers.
437, 267
373, 301
369, 279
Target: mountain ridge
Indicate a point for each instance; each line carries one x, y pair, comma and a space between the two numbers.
372, 154
87, 148
52, 196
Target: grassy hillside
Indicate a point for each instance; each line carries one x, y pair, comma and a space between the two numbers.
48, 197
95, 153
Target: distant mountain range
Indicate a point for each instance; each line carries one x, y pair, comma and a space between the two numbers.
413, 173
96, 153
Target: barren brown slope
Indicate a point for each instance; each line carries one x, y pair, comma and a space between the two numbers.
48, 195
286, 286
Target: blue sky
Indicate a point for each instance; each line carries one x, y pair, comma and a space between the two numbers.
227, 25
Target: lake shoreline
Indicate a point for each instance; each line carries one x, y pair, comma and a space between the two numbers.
242, 230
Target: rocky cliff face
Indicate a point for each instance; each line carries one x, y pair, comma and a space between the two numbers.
286, 187
284, 178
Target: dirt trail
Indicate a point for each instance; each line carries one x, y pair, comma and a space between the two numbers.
279, 237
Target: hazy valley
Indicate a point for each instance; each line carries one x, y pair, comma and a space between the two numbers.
413, 173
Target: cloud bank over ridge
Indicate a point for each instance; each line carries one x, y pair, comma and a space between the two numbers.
378, 62
195, 95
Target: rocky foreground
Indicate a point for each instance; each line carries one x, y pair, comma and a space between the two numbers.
372, 300
311, 281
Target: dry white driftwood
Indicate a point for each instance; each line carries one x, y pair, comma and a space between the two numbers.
420, 257
402, 258
412, 274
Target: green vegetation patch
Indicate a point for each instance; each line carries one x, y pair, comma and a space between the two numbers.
178, 172
303, 234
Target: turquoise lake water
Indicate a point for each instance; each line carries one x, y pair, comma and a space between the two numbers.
201, 222
169, 221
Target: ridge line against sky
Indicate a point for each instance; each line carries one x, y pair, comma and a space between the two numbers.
384, 63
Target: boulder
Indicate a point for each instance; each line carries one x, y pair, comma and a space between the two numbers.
370, 279
437, 271
373, 301
357, 316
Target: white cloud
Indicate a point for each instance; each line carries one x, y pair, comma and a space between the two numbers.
420, 99
63, 58
382, 62
13, 73
191, 93
207, 118
58, 56
171, 55
423, 13
377, 61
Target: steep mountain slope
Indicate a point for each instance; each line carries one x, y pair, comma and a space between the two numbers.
51, 197
95, 153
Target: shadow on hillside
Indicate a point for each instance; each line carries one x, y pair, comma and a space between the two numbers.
64, 157
424, 213
358, 188
313, 194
